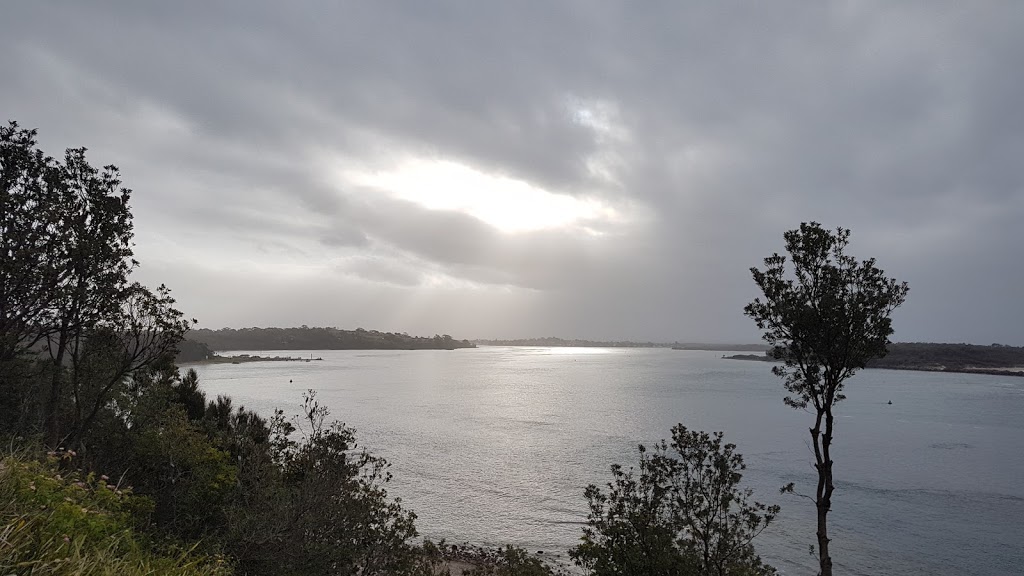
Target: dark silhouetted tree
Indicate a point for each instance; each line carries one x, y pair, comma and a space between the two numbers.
65, 261
29, 241
825, 320
95, 260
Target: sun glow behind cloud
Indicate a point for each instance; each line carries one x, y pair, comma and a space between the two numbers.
508, 204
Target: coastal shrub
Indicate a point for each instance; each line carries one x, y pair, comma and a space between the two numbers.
190, 479
279, 496
63, 522
146, 438
681, 513
511, 561
317, 504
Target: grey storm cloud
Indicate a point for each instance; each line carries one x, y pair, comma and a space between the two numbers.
270, 144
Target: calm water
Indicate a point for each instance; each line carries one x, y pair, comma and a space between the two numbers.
495, 445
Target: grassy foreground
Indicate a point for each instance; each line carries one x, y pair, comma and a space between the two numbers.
65, 523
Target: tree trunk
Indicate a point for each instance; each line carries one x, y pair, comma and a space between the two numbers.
824, 503
52, 416
824, 559
823, 495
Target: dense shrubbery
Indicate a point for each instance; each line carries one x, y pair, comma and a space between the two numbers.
679, 514
510, 561
274, 497
57, 522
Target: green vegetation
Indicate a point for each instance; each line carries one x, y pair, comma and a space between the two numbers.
306, 338
68, 302
825, 321
681, 514
57, 522
507, 561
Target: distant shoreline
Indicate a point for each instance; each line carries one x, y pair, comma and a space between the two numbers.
201, 343
563, 343
991, 371
246, 358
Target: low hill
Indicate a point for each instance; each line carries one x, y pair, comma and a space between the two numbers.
993, 359
306, 338
926, 355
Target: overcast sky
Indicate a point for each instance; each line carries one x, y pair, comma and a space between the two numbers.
581, 169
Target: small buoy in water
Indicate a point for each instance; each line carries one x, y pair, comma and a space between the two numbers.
291, 382
890, 401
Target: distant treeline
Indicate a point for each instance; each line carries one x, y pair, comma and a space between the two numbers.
306, 338
945, 357
950, 356
573, 343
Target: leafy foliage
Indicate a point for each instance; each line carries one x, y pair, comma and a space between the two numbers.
325, 510
825, 320
66, 240
29, 241
62, 522
511, 561
679, 514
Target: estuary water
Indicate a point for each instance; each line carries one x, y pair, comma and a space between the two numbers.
495, 445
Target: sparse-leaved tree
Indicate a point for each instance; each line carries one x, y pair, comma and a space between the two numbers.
825, 315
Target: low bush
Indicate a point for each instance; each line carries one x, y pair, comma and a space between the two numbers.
60, 522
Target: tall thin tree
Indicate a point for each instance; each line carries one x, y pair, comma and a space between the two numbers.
825, 321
